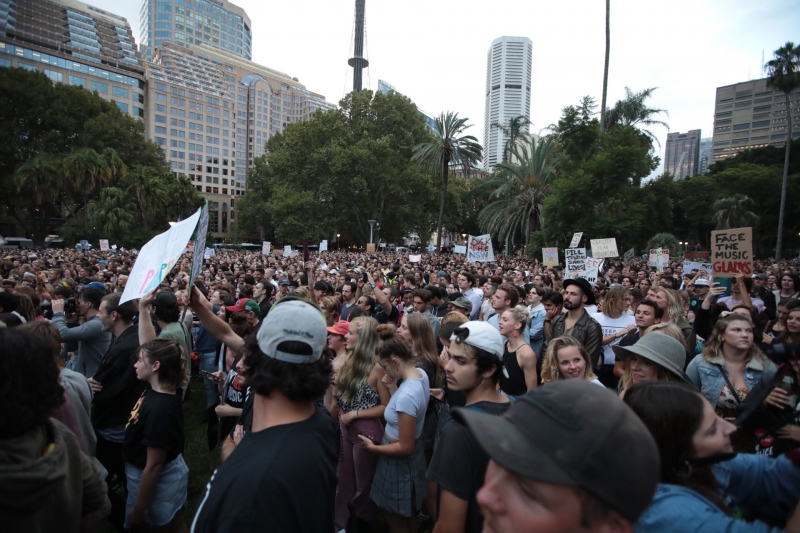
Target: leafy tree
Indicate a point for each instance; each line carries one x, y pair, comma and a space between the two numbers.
577, 133
515, 131
733, 212
115, 213
448, 148
516, 202
149, 191
633, 111
783, 74
663, 240
85, 170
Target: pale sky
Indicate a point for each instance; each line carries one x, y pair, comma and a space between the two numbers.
434, 51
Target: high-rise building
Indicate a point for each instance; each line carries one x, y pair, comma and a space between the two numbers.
215, 23
385, 87
682, 154
212, 114
749, 115
508, 92
704, 160
75, 44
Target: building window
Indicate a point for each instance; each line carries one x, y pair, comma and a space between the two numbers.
27, 67
161, 141
100, 87
119, 92
161, 97
55, 77
122, 106
75, 80
743, 126
161, 118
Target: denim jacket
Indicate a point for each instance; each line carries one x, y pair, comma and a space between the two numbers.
706, 375
755, 481
537, 328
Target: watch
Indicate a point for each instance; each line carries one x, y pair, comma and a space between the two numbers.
373, 285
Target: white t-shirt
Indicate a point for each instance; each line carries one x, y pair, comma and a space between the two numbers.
730, 303
612, 326
411, 398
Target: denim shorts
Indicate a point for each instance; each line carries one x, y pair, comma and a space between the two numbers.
169, 495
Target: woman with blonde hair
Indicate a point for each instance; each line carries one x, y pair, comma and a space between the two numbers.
332, 308
657, 356
455, 316
361, 402
615, 324
670, 301
666, 328
519, 375
566, 358
731, 364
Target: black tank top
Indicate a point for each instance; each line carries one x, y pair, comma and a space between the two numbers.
514, 384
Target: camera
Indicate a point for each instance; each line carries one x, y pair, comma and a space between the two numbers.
70, 306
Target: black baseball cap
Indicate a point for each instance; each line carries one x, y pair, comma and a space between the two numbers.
577, 434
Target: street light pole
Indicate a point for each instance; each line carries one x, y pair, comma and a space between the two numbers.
371, 227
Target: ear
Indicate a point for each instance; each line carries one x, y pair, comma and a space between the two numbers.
156, 366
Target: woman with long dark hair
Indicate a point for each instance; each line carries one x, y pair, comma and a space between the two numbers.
702, 481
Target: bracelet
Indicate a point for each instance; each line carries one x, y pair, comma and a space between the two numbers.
356, 413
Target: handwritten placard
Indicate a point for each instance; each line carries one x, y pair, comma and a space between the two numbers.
550, 257
732, 252
604, 247
575, 260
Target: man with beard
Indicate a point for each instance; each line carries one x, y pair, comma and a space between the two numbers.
577, 322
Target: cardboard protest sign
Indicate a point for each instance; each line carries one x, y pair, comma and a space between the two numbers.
575, 260
460, 249
199, 244
323, 246
576, 239
732, 252
415, 258
630, 257
371, 248
266, 247
604, 247
655, 252
688, 266
157, 257
287, 249
589, 275
480, 248
209, 252
104, 245
550, 257
593, 262
85, 244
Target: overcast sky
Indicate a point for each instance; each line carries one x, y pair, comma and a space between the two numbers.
434, 51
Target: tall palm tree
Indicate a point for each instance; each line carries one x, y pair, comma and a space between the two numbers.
147, 188
116, 165
605, 70
517, 128
633, 111
449, 147
84, 170
734, 212
783, 74
42, 173
115, 213
518, 197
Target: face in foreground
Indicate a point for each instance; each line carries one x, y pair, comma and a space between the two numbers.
571, 363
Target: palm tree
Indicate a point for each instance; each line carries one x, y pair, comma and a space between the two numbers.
783, 74
43, 175
116, 165
632, 111
733, 212
517, 128
518, 196
449, 147
115, 213
84, 170
148, 190
605, 70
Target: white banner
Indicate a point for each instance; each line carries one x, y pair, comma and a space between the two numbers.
589, 275
575, 260
323, 246
266, 247
550, 257
593, 262
460, 249
104, 245
479, 248
157, 257
209, 252
414, 258
655, 252
630, 257
576, 239
688, 266
604, 247
199, 244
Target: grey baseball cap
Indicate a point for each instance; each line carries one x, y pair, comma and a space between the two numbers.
293, 320
577, 434
659, 348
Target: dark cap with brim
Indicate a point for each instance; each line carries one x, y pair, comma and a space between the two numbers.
585, 288
574, 433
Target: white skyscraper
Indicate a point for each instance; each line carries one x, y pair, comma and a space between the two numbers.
508, 92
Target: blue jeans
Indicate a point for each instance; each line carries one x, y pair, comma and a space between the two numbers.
207, 364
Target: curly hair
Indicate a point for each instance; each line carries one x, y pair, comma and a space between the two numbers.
26, 403
550, 371
360, 362
298, 382
713, 347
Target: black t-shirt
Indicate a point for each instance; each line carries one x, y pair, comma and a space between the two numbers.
235, 393
628, 340
382, 318
282, 479
459, 463
156, 422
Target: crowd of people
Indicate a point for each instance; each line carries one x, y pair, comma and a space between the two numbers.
365, 392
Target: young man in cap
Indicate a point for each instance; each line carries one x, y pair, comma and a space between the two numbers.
459, 463
566, 457
461, 305
577, 322
282, 474
248, 306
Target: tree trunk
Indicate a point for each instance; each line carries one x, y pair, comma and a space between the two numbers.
605, 71
445, 169
779, 245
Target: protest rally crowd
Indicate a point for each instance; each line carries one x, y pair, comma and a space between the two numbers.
363, 392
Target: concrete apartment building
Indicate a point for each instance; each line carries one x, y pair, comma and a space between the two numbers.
212, 114
705, 155
508, 92
749, 115
682, 154
218, 24
75, 44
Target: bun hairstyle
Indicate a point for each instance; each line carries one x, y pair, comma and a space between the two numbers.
391, 344
521, 316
